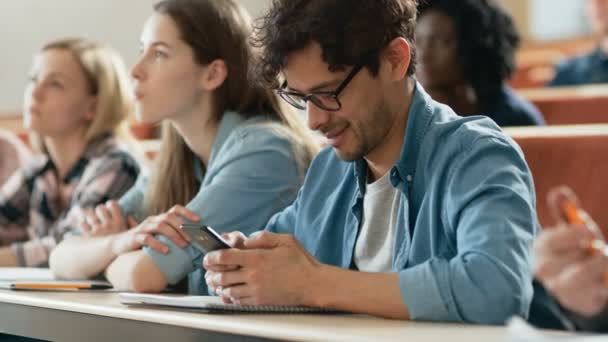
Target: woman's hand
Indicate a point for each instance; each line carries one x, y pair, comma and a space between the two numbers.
105, 219
167, 224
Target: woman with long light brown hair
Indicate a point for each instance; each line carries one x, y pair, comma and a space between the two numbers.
75, 106
231, 156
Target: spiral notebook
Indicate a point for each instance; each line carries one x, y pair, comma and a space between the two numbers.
211, 304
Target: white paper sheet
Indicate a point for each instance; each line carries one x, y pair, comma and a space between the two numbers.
25, 273
521, 331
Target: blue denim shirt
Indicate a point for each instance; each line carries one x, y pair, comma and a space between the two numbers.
464, 231
585, 69
252, 174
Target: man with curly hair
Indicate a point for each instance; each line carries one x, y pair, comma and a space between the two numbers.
412, 212
466, 53
591, 67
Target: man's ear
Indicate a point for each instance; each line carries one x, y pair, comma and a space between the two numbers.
214, 75
398, 56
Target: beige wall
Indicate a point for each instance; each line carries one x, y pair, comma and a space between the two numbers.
519, 9
27, 24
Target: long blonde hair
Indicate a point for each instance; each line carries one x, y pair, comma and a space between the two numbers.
108, 80
218, 29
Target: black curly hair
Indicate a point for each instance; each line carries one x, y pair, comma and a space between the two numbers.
349, 32
487, 40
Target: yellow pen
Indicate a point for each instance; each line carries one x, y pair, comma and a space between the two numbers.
59, 286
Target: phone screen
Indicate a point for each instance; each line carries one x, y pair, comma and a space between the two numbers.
204, 238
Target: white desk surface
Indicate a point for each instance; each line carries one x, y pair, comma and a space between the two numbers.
557, 131
284, 327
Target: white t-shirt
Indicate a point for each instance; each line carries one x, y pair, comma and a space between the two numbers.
374, 246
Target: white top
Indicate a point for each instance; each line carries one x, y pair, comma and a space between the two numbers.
374, 247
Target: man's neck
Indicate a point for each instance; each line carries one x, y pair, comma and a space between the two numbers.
385, 155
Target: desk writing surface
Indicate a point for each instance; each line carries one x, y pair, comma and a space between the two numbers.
557, 131
592, 91
285, 327
25, 273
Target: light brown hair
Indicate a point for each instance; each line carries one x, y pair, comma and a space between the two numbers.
107, 79
217, 29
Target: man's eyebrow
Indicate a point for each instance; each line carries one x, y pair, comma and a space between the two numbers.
316, 88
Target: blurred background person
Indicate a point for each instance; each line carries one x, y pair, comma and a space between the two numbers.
570, 264
466, 54
591, 67
75, 105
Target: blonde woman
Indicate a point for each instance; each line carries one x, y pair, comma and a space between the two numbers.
75, 106
230, 157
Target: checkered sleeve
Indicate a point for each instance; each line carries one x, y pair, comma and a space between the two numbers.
105, 178
14, 208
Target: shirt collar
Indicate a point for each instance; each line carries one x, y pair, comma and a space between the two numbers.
97, 146
230, 120
418, 121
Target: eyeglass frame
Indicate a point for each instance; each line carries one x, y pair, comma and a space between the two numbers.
285, 95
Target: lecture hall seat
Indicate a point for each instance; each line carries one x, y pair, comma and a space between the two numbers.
572, 156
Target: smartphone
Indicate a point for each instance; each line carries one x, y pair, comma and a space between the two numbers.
204, 237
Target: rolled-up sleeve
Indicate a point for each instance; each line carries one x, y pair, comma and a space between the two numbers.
490, 207
178, 262
254, 176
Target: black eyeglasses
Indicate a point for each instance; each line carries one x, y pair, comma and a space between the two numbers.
325, 100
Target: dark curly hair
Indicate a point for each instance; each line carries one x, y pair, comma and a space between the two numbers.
349, 32
487, 40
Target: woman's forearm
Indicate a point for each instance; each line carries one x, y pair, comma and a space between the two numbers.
82, 257
135, 271
8, 257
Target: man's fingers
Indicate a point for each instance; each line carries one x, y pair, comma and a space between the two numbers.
235, 239
240, 294
550, 266
232, 258
581, 286
226, 279
263, 240
562, 240
220, 268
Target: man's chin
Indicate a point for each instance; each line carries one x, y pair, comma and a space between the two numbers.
348, 155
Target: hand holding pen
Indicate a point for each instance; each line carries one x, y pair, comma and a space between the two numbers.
572, 258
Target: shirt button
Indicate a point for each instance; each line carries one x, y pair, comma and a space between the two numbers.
409, 178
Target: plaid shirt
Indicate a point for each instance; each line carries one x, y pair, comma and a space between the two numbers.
35, 212
13, 155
